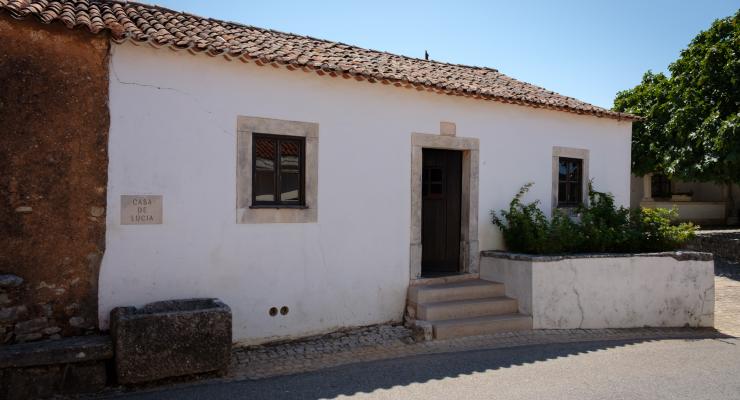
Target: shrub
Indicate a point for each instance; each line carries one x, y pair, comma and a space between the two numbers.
600, 227
656, 233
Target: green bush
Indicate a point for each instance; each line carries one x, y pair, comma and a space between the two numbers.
598, 227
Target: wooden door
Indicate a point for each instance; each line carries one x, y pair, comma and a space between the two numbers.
440, 212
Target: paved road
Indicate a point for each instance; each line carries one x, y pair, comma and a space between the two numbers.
668, 369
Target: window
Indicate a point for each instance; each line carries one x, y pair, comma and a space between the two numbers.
570, 182
660, 186
278, 170
432, 182
569, 175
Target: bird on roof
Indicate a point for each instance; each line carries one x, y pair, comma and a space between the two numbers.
426, 55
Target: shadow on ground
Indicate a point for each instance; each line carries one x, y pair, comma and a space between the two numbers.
378, 375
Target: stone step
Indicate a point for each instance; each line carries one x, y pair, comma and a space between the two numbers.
481, 325
464, 290
444, 310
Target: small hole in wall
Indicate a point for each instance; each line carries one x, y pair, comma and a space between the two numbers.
284, 310
273, 311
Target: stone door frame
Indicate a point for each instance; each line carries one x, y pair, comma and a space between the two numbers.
470, 148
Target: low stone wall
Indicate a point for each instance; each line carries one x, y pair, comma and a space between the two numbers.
23, 321
608, 290
722, 244
52, 367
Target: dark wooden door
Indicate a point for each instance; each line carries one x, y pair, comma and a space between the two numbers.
440, 212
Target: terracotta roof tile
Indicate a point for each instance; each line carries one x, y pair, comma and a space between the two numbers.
163, 27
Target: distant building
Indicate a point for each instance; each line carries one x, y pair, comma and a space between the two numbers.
704, 203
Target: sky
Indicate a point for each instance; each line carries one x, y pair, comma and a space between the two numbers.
589, 50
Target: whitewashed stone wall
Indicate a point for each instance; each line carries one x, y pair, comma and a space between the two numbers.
608, 291
173, 133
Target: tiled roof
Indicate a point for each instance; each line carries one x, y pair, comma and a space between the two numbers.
163, 27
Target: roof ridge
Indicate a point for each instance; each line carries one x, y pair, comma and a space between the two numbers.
179, 30
293, 34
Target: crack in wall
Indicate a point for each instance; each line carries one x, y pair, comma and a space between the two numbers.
115, 74
194, 98
578, 296
580, 307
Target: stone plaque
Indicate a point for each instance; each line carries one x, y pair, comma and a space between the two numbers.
141, 210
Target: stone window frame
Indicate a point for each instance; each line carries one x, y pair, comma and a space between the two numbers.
470, 148
245, 213
569, 152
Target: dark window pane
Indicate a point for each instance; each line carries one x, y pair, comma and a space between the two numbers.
264, 186
291, 187
563, 170
570, 181
572, 193
573, 172
436, 175
290, 153
264, 154
436, 188
561, 192
661, 186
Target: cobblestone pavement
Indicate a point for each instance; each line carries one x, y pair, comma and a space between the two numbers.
727, 297
386, 341
325, 352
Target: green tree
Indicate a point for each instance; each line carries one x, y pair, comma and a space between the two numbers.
691, 119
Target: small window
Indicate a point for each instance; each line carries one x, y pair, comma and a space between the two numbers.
278, 168
660, 186
570, 182
432, 182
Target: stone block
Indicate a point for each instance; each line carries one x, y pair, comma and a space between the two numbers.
31, 326
28, 337
8, 280
70, 350
171, 338
52, 330
30, 383
84, 378
12, 313
77, 322
46, 368
48, 380
447, 129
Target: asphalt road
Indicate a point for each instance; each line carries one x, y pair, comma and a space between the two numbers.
669, 369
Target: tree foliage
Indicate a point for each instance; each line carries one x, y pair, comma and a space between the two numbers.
691, 125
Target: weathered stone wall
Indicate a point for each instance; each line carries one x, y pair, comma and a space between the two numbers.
53, 174
721, 244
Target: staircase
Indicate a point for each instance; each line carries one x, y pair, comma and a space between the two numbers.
464, 308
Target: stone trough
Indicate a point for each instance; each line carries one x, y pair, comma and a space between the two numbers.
171, 338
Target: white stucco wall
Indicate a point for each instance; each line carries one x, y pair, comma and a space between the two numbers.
608, 292
173, 126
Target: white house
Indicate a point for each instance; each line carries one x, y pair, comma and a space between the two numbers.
273, 170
